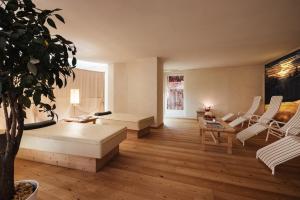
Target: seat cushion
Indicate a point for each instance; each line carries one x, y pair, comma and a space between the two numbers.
77, 132
88, 140
131, 121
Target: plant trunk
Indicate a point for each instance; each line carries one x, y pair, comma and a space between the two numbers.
9, 147
7, 176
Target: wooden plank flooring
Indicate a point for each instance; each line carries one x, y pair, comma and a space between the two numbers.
169, 164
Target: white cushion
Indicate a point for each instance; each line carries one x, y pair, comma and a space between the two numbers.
88, 140
131, 121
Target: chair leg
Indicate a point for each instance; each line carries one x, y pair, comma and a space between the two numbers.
268, 134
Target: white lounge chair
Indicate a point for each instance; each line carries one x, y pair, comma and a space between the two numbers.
261, 123
279, 152
280, 129
227, 117
248, 114
284, 149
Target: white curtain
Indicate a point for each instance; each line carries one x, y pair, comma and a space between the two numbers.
91, 89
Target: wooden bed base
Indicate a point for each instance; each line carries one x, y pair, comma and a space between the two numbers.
140, 133
68, 161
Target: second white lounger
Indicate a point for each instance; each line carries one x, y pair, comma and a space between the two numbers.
279, 152
248, 114
262, 123
280, 129
284, 149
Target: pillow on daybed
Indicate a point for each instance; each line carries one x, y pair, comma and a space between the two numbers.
102, 113
37, 125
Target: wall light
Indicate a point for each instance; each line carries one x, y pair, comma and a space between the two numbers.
74, 98
208, 104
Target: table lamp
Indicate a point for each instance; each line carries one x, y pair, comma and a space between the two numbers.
74, 99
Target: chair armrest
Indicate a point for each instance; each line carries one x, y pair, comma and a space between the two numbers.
268, 120
291, 128
276, 124
274, 128
240, 113
254, 118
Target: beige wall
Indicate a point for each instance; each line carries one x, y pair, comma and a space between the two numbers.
160, 92
228, 89
142, 86
137, 87
120, 87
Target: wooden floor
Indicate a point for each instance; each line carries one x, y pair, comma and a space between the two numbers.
169, 164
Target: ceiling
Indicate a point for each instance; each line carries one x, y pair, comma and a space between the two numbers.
184, 33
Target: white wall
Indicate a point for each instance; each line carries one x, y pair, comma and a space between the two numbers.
110, 87
228, 89
137, 87
142, 86
120, 88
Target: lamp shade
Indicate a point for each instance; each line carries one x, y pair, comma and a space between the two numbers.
74, 98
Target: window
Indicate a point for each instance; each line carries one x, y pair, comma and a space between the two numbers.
175, 98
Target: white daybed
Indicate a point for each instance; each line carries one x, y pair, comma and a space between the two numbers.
135, 123
86, 147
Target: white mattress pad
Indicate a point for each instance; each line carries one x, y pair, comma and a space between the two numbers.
88, 140
131, 121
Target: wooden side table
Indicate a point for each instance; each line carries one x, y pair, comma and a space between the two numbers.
79, 120
200, 113
205, 114
224, 128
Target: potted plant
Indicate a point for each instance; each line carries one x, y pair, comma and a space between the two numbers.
32, 63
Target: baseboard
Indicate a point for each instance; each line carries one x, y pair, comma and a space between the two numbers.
185, 118
69, 161
157, 126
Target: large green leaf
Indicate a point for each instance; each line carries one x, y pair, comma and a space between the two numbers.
2, 43
32, 68
51, 81
25, 101
37, 98
74, 61
57, 9
12, 5
59, 82
28, 92
51, 22
27, 81
60, 18
29, 5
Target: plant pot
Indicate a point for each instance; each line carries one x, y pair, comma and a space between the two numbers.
35, 185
